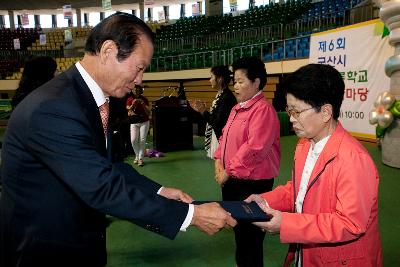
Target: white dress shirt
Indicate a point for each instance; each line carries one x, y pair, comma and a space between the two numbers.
242, 104
97, 93
100, 99
312, 157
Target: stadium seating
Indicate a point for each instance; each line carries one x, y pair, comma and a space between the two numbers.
271, 32
8, 67
25, 36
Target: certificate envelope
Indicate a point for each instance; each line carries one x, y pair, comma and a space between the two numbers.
242, 211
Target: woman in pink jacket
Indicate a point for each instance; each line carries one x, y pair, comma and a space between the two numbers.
329, 210
248, 155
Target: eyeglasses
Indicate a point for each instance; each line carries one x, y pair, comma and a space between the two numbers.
295, 113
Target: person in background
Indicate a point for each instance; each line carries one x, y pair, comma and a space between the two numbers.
37, 71
248, 155
221, 106
138, 108
328, 212
59, 182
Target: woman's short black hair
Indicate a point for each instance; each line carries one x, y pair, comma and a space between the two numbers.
223, 72
122, 28
253, 67
316, 85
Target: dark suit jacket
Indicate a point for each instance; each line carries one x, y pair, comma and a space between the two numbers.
218, 118
58, 182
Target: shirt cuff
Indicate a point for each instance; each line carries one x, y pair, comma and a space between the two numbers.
188, 218
159, 190
189, 215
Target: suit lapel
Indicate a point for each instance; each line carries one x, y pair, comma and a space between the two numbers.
89, 108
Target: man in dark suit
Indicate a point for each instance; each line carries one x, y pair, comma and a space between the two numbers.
58, 179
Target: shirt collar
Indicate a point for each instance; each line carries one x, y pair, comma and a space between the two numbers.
94, 88
319, 146
242, 104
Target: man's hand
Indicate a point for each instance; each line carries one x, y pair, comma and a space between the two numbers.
220, 175
176, 194
211, 218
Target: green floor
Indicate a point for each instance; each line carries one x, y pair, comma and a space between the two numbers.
129, 245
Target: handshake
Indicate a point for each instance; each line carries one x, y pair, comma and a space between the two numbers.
211, 217
208, 217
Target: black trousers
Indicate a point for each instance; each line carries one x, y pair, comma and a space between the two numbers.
248, 237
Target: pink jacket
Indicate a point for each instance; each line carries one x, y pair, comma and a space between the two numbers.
339, 223
249, 146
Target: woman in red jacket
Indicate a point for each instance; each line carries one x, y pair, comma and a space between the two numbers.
329, 210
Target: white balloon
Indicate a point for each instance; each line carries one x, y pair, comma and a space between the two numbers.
373, 117
385, 119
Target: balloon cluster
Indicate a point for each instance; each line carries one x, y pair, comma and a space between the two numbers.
386, 108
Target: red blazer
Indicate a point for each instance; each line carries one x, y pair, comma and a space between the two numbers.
339, 223
249, 147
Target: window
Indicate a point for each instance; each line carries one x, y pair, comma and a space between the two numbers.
94, 18
45, 21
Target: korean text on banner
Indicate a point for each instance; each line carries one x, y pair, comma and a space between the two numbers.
359, 53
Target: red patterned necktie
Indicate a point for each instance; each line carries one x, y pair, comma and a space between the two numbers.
104, 112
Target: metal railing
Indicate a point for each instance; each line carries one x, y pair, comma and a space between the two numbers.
267, 51
270, 32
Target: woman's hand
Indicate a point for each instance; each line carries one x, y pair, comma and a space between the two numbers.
221, 178
273, 226
220, 175
198, 105
262, 203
